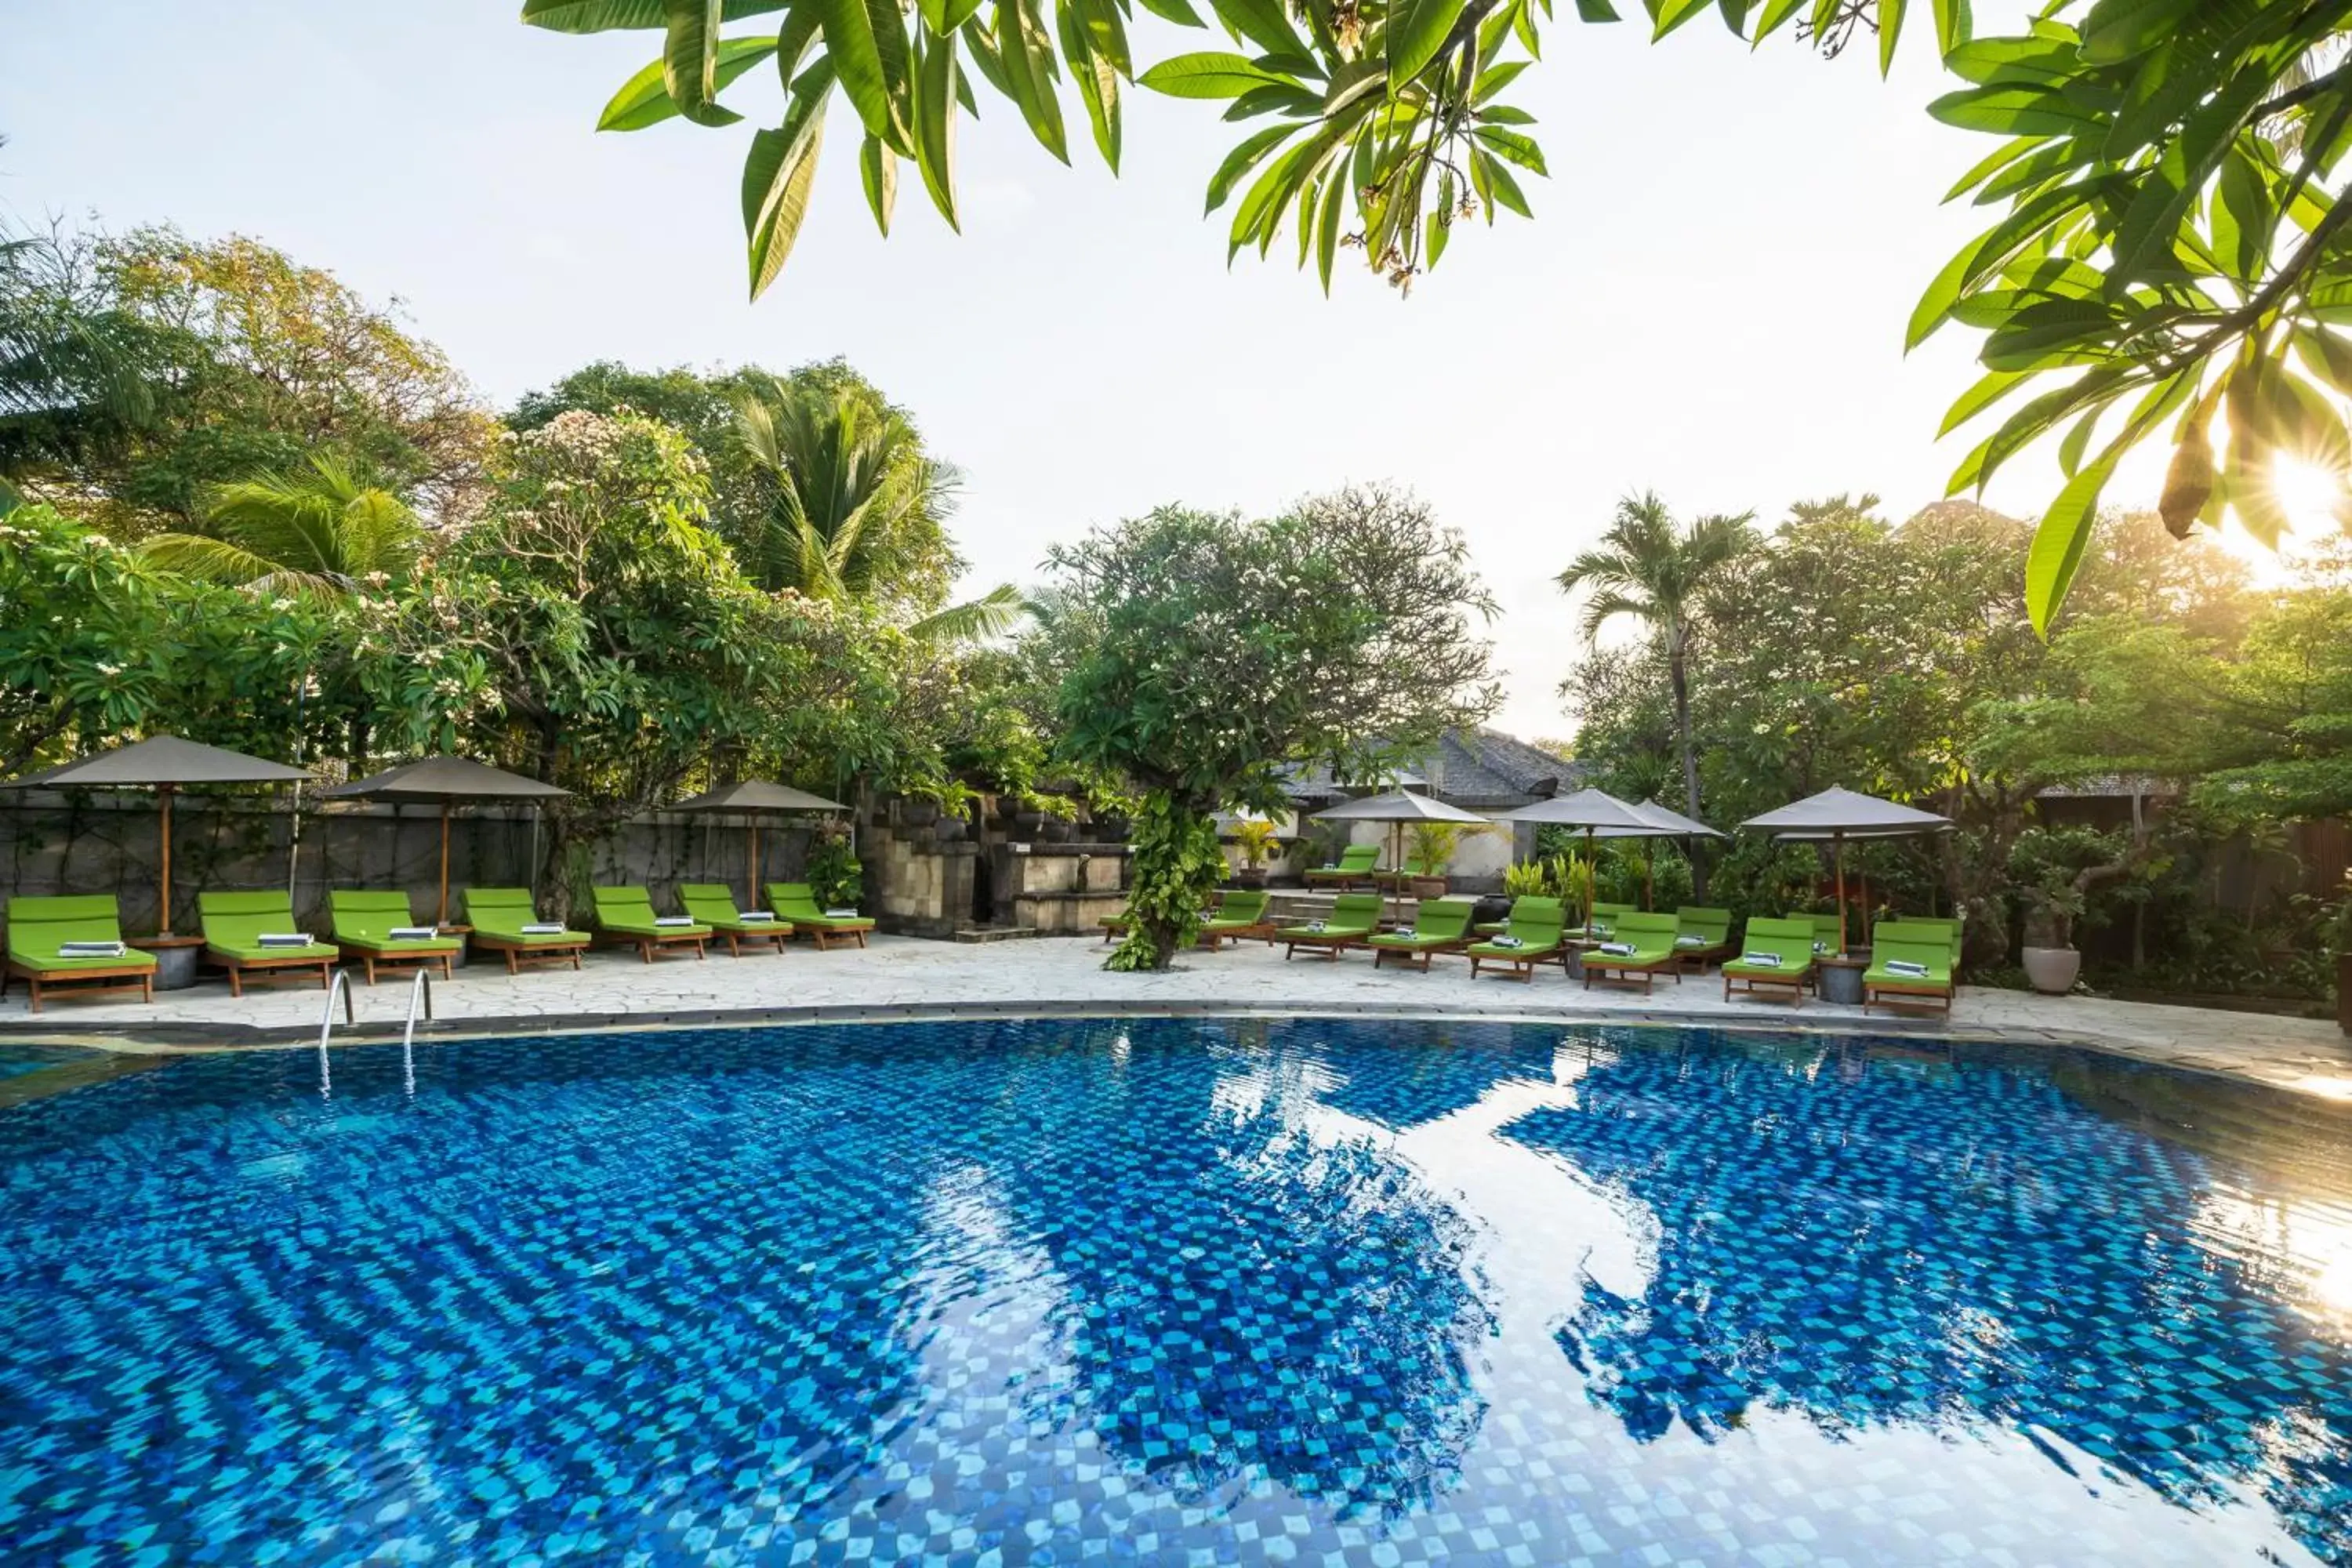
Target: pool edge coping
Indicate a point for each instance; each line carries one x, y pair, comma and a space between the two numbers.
150, 1044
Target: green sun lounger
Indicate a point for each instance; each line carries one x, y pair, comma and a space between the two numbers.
234, 925
1353, 918
1531, 936
711, 904
1701, 936
1774, 953
1825, 932
1907, 973
365, 919
625, 918
1652, 940
1922, 928
796, 902
1357, 863
1240, 913
39, 929
1605, 921
1439, 925
502, 919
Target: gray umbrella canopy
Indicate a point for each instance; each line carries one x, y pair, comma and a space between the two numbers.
757, 794
164, 759
1837, 814
1844, 814
446, 779
1684, 827
1397, 806
1596, 810
163, 762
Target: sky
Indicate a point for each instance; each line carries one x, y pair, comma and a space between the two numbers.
1709, 302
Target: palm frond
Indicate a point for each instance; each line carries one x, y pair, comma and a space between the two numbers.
993, 614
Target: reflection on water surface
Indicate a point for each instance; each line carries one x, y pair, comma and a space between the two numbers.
1307, 1291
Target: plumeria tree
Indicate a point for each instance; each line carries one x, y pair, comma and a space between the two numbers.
1216, 649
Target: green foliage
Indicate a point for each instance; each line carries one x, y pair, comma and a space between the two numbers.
1214, 650
78, 373
320, 532
834, 872
248, 363
99, 644
2166, 255
1177, 865
2055, 869
1258, 840
1434, 844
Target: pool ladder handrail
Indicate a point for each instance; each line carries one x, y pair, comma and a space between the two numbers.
339, 987
419, 990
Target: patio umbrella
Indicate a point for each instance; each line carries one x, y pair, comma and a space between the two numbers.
1601, 815
448, 779
751, 797
1397, 807
163, 763
1838, 815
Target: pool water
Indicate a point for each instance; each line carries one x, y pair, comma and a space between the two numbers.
1174, 1291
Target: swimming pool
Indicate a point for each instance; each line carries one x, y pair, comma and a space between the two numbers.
1174, 1291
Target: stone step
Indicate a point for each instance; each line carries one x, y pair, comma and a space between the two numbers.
996, 933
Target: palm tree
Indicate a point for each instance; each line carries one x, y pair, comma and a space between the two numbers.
322, 533
1651, 568
856, 507
75, 382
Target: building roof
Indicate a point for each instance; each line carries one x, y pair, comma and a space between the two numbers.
1467, 767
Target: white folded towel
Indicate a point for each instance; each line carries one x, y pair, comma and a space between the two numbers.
1690, 941
1905, 968
543, 928
1507, 942
413, 933
91, 950
1820, 947
1760, 960
841, 914
1598, 928
1314, 925
1618, 949
673, 920
1403, 931
755, 916
282, 939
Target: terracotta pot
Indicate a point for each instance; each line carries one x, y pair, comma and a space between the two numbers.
2053, 970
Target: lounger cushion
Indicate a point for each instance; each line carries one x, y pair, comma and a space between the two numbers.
364, 916
39, 926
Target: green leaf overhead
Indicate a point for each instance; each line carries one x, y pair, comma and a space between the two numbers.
866, 42
1416, 30
644, 99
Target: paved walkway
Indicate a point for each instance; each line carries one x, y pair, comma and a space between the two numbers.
899, 977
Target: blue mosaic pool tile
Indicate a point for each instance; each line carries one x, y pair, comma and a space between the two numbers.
1152, 1292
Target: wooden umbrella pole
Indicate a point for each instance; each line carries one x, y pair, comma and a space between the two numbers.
442, 916
1649, 875
1837, 850
751, 875
1591, 876
163, 925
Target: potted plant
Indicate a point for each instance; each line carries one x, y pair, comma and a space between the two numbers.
1254, 837
2055, 870
1434, 844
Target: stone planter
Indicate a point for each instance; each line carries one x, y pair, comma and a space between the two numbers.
918, 813
1251, 877
2051, 970
1112, 829
950, 829
1028, 826
1057, 830
1426, 887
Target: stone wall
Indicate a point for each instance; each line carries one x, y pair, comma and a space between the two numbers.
105, 841
1057, 888
918, 874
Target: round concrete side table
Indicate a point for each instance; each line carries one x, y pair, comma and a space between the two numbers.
175, 959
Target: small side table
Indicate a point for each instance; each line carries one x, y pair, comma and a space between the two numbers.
175, 959
1841, 978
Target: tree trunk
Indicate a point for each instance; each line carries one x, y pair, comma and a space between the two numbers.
1177, 862
1678, 675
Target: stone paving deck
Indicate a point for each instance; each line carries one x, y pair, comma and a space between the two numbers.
899, 977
